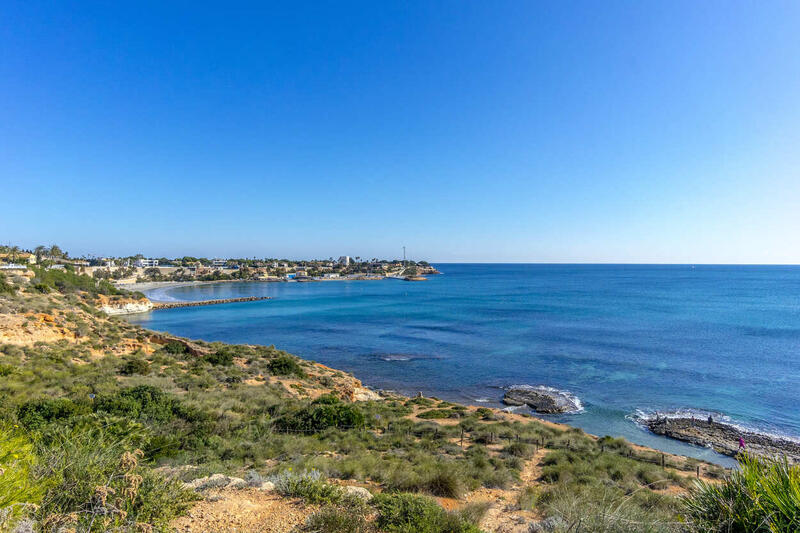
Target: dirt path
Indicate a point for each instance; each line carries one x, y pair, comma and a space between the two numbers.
504, 514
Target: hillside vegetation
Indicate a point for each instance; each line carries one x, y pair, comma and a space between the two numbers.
105, 426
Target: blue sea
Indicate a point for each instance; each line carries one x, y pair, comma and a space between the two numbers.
627, 340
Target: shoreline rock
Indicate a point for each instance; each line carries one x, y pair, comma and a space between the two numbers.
541, 399
723, 438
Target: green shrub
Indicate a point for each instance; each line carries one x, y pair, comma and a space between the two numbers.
762, 496
67, 281
444, 481
5, 286
133, 366
310, 486
325, 412
19, 491
602, 509
222, 357
485, 413
518, 449
175, 348
411, 513
285, 365
435, 413
35, 414
97, 484
529, 498
144, 401
349, 516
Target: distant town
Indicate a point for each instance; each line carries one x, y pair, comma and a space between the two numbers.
141, 269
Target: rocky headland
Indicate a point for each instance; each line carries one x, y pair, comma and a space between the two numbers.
723, 438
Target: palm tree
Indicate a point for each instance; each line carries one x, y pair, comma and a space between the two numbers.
40, 252
55, 252
13, 254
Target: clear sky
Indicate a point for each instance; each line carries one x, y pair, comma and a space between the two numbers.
466, 130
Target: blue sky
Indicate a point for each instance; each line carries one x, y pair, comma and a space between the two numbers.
466, 131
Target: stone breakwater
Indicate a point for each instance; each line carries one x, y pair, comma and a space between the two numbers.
172, 305
723, 438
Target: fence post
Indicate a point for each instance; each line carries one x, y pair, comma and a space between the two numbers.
462, 437
698, 471
662, 460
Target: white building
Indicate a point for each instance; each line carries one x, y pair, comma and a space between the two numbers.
219, 262
344, 260
146, 263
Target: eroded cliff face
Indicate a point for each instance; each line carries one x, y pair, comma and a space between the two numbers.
127, 308
124, 306
29, 318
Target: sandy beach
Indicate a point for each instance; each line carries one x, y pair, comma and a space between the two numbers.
153, 285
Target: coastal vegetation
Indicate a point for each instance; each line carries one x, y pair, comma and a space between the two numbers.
102, 423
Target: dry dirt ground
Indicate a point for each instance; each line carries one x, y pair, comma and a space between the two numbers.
244, 511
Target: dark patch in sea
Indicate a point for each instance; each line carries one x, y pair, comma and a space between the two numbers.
445, 329
401, 357
782, 333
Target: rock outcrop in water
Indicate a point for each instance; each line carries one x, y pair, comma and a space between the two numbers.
723, 438
541, 399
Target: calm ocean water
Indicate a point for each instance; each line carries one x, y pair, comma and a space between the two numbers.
624, 339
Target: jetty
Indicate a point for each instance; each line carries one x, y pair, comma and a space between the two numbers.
724, 438
173, 305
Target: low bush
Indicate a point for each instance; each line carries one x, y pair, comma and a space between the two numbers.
222, 357
518, 449
349, 516
411, 513
444, 481
133, 366
35, 414
323, 413
175, 348
311, 486
285, 365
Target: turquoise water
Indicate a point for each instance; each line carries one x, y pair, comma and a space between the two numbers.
623, 339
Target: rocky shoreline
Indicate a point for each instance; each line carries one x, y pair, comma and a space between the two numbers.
173, 305
541, 399
723, 438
